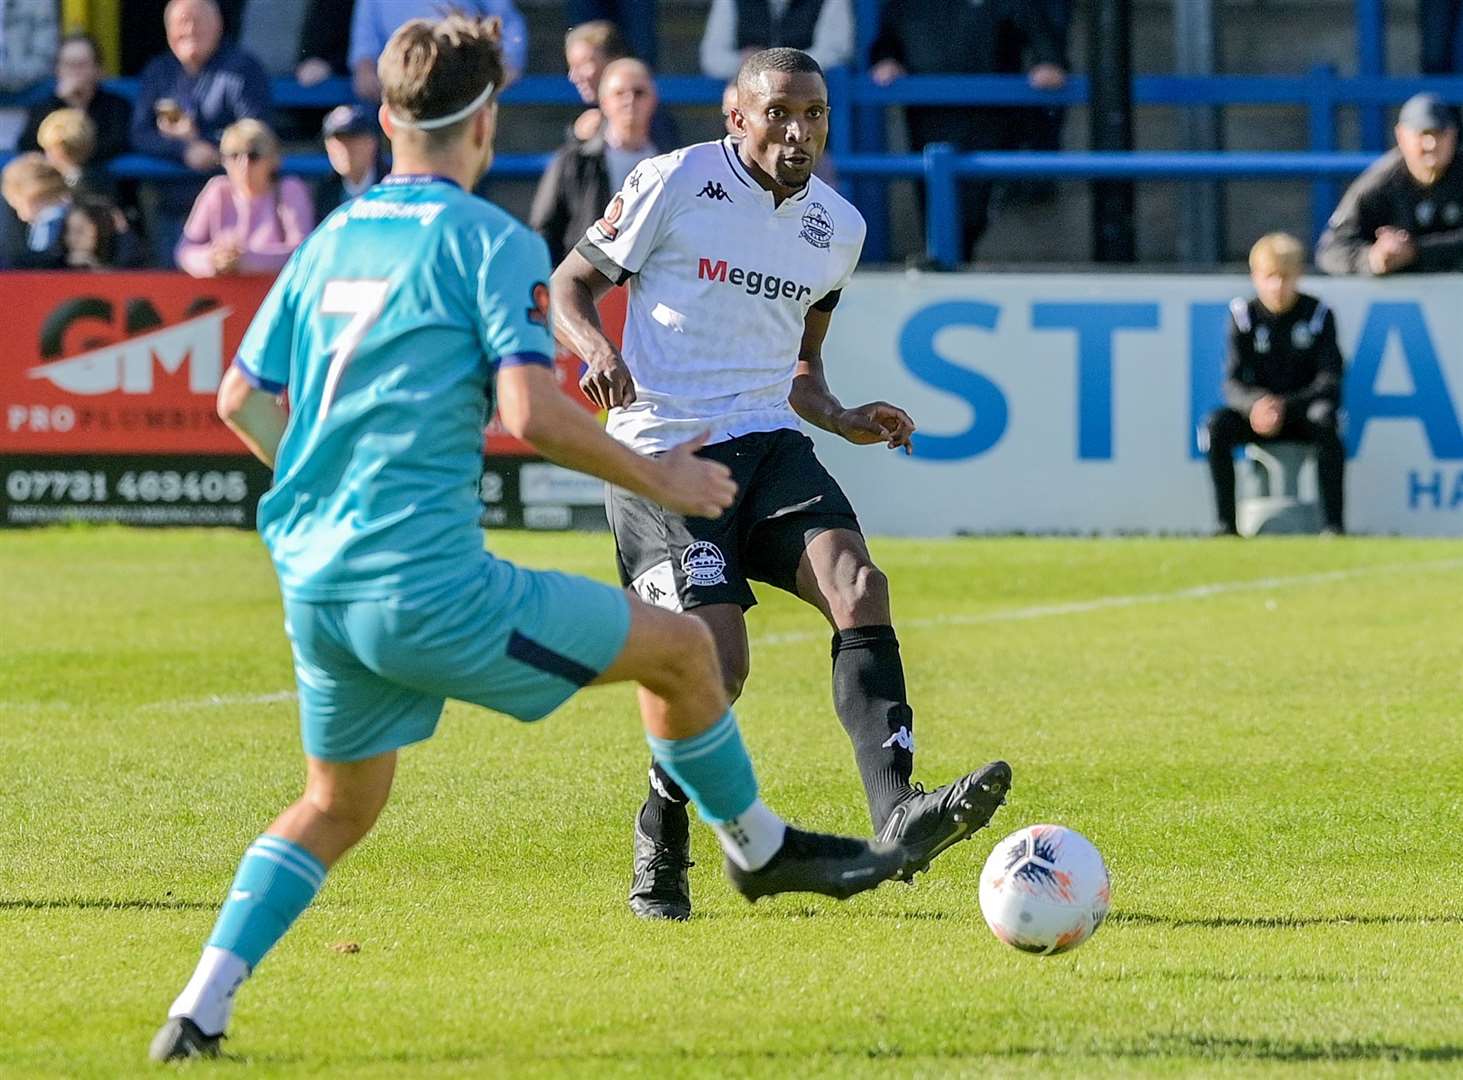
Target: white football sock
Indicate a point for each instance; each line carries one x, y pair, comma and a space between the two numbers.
208, 999
752, 837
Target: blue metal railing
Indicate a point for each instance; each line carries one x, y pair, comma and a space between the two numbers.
857, 131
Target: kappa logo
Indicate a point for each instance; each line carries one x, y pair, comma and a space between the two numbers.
704, 564
714, 191
1425, 212
1262, 339
903, 738
817, 226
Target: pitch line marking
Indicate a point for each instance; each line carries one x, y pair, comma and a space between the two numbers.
1104, 603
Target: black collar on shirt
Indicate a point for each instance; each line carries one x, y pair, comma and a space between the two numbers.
739, 170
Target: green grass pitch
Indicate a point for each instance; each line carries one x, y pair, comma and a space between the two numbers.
1263, 738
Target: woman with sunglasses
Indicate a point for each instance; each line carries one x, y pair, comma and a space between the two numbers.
249, 220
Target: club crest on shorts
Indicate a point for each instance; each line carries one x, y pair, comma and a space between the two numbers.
704, 564
817, 226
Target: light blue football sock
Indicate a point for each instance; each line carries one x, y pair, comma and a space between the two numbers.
712, 768
275, 883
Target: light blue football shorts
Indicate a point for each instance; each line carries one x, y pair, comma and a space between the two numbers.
373, 675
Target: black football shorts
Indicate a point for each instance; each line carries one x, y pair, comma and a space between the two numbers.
784, 499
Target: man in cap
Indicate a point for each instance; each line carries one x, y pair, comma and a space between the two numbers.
1405, 213
353, 144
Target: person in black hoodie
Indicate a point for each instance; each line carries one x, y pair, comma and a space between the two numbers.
957, 37
1282, 378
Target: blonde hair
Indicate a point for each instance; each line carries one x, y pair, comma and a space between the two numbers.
32, 176
1280, 250
249, 134
72, 131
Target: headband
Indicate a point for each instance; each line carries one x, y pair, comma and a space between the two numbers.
445, 121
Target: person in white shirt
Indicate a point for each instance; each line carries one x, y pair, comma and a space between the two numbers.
735, 254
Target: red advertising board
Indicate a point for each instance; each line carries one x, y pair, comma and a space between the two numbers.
118, 363
130, 363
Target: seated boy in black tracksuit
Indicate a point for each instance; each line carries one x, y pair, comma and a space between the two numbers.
1282, 378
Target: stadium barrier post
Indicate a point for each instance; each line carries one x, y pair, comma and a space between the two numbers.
1321, 91
943, 226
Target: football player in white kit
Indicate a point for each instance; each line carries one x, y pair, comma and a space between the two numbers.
734, 255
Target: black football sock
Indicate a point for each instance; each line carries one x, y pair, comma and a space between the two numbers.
868, 692
664, 816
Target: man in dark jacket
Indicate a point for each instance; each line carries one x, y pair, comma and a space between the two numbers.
1282, 378
579, 181
185, 99
1405, 213
78, 86
948, 37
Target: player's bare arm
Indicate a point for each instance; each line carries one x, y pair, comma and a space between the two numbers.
256, 416
575, 289
532, 408
813, 400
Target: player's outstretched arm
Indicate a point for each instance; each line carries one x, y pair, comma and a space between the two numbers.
575, 289
257, 417
532, 408
813, 400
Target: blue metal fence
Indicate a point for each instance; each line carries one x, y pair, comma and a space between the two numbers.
859, 105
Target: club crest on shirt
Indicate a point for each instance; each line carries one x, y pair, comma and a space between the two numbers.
608, 225
817, 226
1300, 336
704, 564
538, 311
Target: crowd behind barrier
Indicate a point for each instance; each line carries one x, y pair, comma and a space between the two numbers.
858, 126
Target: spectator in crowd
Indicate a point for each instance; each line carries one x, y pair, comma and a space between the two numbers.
930, 37
29, 33
38, 194
577, 185
1440, 31
78, 86
185, 99
250, 220
728, 103
375, 21
1405, 213
634, 21
325, 42
353, 145
68, 140
92, 241
589, 48
1040, 128
1282, 378
735, 29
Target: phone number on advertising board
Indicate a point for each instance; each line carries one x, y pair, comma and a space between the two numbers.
36, 485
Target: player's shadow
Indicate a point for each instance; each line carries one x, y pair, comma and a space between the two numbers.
1231, 1050
81, 903
1276, 922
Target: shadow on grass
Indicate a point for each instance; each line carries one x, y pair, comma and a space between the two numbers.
81, 903
1276, 922
1173, 1048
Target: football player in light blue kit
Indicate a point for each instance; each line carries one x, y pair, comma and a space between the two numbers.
390, 329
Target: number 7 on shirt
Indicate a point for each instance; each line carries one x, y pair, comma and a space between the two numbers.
364, 302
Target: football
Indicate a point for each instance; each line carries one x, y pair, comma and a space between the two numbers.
1044, 889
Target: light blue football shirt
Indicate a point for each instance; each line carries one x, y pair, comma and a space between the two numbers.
387, 328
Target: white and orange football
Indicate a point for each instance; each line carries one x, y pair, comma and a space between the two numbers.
1044, 889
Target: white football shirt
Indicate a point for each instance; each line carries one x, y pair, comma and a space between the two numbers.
720, 282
